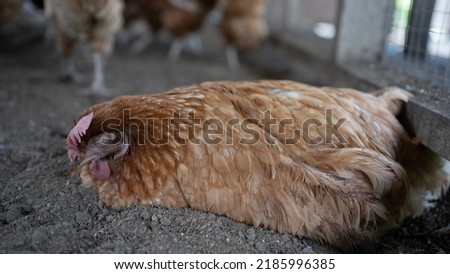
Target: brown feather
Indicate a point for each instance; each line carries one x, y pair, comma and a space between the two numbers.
243, 24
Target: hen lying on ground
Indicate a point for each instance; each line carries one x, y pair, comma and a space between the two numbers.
327, 163
94, 22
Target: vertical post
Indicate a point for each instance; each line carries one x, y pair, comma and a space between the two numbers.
293, 14
419, 24
362, 29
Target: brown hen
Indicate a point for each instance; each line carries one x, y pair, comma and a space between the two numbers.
328, 163
243, 26
181, 18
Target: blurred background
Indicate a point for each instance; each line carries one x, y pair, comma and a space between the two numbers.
405, 36
410, 38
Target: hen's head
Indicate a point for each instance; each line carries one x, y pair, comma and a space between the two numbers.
86, 145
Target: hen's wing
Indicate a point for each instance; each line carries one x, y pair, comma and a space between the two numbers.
323, 193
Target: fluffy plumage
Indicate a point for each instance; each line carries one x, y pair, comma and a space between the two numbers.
348, 174
94, 22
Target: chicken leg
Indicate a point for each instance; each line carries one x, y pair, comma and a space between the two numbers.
192, 42
98, 76
232, 58
70, 73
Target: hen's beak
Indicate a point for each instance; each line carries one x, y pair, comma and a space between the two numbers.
79, 161
75, 165
88, 158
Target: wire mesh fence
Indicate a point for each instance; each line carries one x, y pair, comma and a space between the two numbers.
419, 41
417, 45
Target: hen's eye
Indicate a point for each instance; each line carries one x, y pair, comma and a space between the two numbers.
107, 139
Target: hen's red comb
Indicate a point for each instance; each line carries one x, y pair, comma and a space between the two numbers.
75, 134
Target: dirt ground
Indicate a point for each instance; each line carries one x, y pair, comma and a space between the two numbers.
45, 210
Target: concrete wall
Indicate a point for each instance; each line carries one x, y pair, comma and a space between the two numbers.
362, 29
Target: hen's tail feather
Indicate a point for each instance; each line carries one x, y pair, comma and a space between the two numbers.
393, 97
427, 176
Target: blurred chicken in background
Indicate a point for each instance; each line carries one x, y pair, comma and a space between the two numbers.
181, 18
10, 10
134, 31
241, 23
94, 22
243, 26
